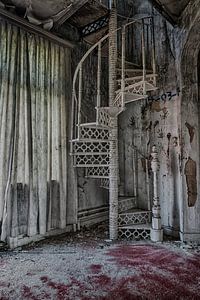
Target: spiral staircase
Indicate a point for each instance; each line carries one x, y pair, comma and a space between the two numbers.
91, 141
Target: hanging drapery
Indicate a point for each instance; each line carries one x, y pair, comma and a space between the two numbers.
34, 88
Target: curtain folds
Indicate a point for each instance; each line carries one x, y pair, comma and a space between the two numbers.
34, 88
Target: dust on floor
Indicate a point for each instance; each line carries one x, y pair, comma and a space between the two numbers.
88, 267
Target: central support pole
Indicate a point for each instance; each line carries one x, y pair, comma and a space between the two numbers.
114, 161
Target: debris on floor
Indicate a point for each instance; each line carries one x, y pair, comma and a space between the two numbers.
86, 266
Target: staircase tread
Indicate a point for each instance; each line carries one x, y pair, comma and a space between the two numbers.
93, 125
138, 77
134, 210
136, 226
123, 198
135, 70
86, 140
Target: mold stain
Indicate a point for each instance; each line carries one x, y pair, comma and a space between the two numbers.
191, 131
169, 138
143, 163
156, 106
191, 179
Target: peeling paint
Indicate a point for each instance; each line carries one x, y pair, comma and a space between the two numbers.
191, 179
169, 138
191, 131
156, 107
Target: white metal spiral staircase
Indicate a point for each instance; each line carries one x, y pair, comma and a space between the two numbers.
92, 143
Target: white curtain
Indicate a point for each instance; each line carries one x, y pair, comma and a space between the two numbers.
34, 90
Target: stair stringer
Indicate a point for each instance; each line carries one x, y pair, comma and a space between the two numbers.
134, 85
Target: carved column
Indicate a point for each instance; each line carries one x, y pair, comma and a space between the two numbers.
156, 231
114, 161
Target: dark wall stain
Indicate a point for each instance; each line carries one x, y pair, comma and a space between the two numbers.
156, 106
164, 114
191, 179
160, 134
169, 138
156, 124
143, 162
190, 130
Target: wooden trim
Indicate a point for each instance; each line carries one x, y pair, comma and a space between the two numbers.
33, 28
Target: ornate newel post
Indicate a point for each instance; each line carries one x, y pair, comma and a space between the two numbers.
156, 231
113, 168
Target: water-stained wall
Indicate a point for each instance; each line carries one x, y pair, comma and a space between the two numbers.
169, 118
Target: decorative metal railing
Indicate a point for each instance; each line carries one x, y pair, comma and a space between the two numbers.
132, 81
94, 142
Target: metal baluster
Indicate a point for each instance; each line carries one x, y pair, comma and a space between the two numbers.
98, 82
147, 184
153, 50
135, 169
72, 122
123, 65
80, 97
143, 57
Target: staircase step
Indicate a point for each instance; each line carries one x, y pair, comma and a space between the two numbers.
98, 172
93, 125
138, 88
93, 133
90, 147
135, 71
132, 97
128, 64
126, 203
94, 161
150, 78
135, 232
134, 216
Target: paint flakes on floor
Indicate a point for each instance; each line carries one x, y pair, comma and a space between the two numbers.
118, 271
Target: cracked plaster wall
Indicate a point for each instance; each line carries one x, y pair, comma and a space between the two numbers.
169, 119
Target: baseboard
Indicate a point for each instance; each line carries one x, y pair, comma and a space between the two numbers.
190, 237
25, 240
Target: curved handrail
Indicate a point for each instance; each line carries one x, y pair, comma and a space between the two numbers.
77, 100
88, 52
99, 42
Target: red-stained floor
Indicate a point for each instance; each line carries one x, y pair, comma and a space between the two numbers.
119, 271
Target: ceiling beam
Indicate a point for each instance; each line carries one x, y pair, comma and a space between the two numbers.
74, 7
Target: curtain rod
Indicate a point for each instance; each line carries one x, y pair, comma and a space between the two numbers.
33, 28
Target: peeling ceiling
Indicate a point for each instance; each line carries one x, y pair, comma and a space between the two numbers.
50, 12
41, 9
53, 13
171, 8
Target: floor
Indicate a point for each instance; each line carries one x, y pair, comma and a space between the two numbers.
86, 266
